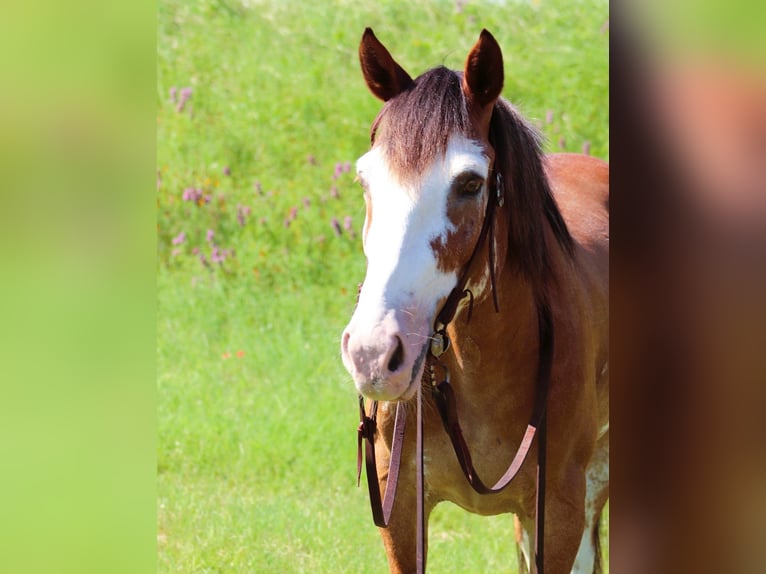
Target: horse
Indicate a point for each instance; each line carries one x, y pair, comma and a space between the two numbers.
460, 198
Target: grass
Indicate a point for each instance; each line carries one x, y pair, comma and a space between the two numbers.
256, 415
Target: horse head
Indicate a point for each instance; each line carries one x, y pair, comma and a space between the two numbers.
427, 181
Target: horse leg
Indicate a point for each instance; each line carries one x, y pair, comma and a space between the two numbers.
522, 546
564, 522
400, 537
588, 560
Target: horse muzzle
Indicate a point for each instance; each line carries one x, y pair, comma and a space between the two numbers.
385, 356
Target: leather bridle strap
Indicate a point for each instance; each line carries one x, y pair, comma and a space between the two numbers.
381, 510
445, 401
542, 450
421, 529
458, 293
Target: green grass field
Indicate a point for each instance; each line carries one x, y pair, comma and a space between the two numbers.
260, 105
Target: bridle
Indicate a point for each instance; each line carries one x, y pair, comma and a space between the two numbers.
444, 398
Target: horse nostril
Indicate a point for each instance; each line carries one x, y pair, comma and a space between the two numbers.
396, 359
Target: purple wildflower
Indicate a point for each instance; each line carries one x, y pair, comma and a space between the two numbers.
206, 198
185, 95
179, 239
562, 142
338, 170
549, 117
347, 223
306, 202
258, 188
347, 166
286, 223
293, 213
336, 227
311, 159
195, 251
227, 171
243, 212
209, 235
192, 194
586, 148
176, 252
334, 192
173, 94
217, 256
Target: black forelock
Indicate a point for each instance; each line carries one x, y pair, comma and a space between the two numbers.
415, 127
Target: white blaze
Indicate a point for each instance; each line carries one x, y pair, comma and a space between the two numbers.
406, 218
403, 283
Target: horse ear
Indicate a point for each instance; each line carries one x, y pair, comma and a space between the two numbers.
483, 75
385, 78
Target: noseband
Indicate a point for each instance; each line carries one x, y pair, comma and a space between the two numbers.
444, 398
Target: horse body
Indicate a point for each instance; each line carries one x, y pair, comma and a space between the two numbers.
423, 219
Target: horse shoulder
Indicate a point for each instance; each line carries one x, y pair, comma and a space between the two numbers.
580, 185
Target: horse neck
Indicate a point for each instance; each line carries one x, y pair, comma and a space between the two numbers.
498, 350
497, 346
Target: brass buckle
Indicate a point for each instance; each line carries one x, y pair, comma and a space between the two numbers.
439, 343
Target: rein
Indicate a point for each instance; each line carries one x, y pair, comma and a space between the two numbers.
444, 398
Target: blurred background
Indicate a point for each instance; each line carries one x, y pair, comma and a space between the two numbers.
688, 125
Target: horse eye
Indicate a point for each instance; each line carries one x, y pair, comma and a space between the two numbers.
472, 187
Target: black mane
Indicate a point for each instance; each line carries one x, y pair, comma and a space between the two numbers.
529, 200
417, 124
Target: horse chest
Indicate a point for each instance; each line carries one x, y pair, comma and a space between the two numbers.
445, 482
493, 442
